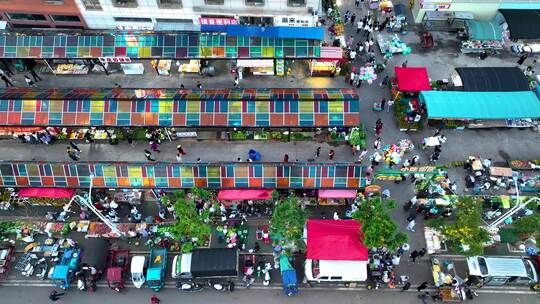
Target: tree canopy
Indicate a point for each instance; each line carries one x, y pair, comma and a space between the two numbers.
378, 228
190, 225
288, 221
465, 234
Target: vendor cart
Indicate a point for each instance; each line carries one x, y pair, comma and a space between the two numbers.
427, 40
117, 268
6, 256
451, 294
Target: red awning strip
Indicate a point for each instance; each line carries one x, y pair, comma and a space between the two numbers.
244, 194
47, 192
337, 193
335, 240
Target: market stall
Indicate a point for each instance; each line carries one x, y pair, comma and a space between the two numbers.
335, 197
329, 62
392, 44
524, 29
189, 66
162, 66
256, 67
483, 36
490, 79
404, 89
481, 109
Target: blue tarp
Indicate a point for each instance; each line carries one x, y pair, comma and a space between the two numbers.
316, 33
484, 30
481, 105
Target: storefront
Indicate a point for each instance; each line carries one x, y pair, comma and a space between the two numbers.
483, 37
481, 109
404, 89
255, 67
133, 53
484, 10
329, 64
230, 114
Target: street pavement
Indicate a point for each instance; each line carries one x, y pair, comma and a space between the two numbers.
39, 295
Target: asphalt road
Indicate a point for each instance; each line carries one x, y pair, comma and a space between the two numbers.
39, 295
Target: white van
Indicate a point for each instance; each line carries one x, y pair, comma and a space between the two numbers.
502, 271
335, 271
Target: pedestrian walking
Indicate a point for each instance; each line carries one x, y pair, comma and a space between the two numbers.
236, 81
350, 81
352, 55
434, 157
377, 143
384, 82
154, 300
74, 146
350, 41
378, 127
367, 30
404, 64
129, 137
199, 85
383, 103
359, 26
286, 158
389, 104
29, 81
410, 226
180, 152
371, 45
148, 155
413, 256
411, 217
154, 146
359, 83
362, 155
357, 3
331, 154
414, 160
522, 58
7, 81
353, 18
356, 79
422, 286
366, 46
318, 152
55, 295
35, 75
406, 286
72, 153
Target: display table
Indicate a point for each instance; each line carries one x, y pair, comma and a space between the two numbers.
478, 46
391, 44
133, 68
433, 240
71, 69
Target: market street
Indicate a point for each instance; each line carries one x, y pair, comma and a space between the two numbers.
36, 295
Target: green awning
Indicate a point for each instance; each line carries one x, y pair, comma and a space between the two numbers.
484, 30
481, 105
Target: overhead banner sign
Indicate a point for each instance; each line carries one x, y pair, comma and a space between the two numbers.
217, 21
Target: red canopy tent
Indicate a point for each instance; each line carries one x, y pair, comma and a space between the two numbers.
244, 194
412, 79
335, 240
47, 192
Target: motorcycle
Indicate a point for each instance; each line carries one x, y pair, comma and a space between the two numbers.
189, 286
222, 287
